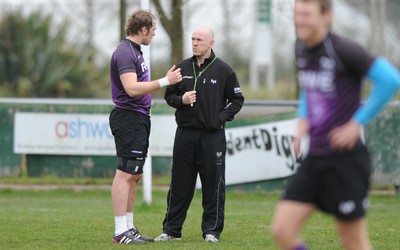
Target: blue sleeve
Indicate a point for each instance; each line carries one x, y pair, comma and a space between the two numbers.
386, 80
302, 107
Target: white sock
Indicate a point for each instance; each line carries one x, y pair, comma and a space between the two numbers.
120, 224
129, 220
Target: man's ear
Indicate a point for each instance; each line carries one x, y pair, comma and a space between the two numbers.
328, 17
144, 31
212, 42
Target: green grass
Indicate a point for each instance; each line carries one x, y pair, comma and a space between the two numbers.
53, 180
65, 219
163, 180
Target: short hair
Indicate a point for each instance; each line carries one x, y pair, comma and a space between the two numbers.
325, 5
137, 20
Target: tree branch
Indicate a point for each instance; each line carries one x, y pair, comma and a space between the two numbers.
163, 17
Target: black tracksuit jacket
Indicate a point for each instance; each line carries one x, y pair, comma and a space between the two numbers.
218, 94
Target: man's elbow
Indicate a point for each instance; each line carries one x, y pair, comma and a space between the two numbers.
133, 93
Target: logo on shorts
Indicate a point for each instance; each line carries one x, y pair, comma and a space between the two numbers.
136, 151
347, 207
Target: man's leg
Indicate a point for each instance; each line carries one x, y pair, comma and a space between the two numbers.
130, 208
131, 133
119, 193
211, 164
288, 220
131, 199
182, 183
350, 184
354, 234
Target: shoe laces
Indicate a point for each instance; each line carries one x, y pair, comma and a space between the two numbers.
136, 234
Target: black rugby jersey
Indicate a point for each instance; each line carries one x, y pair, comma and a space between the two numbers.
331, 75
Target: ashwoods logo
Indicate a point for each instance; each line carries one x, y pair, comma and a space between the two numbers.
267, 140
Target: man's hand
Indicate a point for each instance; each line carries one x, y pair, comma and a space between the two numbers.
174, 75
345, 136
189, 97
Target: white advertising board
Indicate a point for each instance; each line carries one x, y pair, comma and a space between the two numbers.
254, 153
260, 152
62, 134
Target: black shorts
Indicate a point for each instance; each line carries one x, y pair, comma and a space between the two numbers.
337, 184
131, 132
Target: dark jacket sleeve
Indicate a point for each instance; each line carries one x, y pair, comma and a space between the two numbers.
173, 96
234, 98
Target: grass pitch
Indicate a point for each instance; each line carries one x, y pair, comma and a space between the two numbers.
66, 219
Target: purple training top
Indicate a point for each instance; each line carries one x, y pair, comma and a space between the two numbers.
331, 75
128, 57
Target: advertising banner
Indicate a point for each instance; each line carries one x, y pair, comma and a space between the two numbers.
254, 153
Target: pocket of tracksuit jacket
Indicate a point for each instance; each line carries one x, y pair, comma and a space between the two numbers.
215, 89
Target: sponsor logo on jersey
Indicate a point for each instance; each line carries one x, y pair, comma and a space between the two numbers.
144, 67
327, 63
319, 80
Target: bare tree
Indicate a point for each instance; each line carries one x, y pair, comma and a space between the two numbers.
122, 17
89, 9
173, 26
229, 26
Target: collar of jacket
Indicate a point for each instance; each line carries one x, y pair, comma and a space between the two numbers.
206, 61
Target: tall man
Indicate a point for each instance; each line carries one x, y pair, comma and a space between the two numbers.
208, 96
335, 175
130, 120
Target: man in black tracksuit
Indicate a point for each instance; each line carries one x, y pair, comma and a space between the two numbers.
208, 97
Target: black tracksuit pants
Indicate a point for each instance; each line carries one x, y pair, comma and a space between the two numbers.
197, 152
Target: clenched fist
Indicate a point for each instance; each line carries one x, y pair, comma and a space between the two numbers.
189, 97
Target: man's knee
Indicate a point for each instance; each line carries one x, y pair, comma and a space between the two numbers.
278, 231
354, 234
137, 177
132, 166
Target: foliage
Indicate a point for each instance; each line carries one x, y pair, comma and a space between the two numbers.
37, 59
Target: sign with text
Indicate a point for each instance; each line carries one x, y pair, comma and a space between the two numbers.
63, 134
260, 152
254, 153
